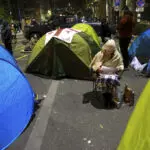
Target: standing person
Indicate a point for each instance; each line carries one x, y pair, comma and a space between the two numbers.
13, 32
33, 22
125, 29
7, 36
23, 24
105, 30
19, 26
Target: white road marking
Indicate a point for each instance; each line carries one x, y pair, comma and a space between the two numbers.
38, 132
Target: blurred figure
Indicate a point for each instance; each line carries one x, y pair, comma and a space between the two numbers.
19, 26
23, 24
6, 36
14, 32
33, 22
125, 29
76, 18
27, 21
105, 30
30, 45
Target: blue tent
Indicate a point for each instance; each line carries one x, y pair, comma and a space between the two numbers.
141, 47
16, 100
4, 54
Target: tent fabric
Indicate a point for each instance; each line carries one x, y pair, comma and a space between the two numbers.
16, 100
4, 54
137, 133
58, 58
88, 30
140, 47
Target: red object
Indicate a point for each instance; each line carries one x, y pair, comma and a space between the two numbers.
125, 26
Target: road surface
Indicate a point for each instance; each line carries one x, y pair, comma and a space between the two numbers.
64, 122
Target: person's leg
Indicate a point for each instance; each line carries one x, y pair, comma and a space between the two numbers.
8, 46
124, 43
116, 94
127, 41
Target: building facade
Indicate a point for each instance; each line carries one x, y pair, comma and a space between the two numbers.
17, 9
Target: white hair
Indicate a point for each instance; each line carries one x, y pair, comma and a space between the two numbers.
109, 44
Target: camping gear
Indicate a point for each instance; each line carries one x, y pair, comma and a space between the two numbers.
128, 95
135, 64
88, 30
141, 47
63, 52
136, 135
16, 100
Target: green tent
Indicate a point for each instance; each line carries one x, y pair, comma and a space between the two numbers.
137, 133
88, 30
63, 52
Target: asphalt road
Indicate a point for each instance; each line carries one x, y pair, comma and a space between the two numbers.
65, 122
